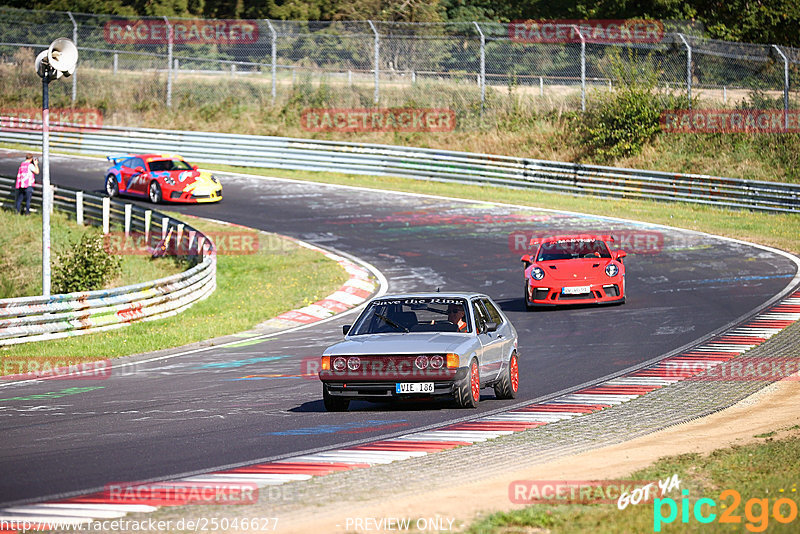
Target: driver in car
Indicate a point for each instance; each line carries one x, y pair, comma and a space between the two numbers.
455, 314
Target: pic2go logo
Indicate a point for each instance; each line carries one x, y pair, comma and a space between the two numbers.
757, 511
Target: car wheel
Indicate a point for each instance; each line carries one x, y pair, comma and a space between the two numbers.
507, 387
112, 188
468, 392
332, 403
528, 306
155, 192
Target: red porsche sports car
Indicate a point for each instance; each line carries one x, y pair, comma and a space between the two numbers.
573, 269
166, 177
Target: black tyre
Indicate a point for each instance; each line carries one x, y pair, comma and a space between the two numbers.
528, 306
155, 193
468, 392
507, 386
112, 188
332, 403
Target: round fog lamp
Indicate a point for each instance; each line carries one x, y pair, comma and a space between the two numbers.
421, 362
437, 362
353, 363
339, 364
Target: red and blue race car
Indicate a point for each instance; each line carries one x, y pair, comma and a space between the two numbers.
573, 269
161, 177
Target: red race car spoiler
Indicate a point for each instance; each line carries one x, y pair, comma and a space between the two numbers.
569, 238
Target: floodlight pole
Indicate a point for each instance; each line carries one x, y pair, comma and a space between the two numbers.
46, 183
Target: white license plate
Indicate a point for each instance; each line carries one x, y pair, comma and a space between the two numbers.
576, 290
413, 387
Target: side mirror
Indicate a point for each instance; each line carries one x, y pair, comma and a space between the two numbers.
346, 329
491, 326
139, 169
619, 254
194, 167
526, 260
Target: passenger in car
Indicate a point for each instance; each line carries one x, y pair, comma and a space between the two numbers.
455, 314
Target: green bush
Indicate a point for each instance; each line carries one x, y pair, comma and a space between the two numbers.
85, 266
619, 123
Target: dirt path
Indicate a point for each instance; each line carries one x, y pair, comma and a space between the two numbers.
771, 409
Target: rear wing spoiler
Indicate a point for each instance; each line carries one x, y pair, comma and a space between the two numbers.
116, 158
575, 237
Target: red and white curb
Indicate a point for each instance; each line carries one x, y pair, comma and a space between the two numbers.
723, 347
358, 288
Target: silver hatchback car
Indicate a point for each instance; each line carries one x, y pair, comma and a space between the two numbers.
423, 345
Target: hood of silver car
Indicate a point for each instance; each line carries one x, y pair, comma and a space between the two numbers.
403, 343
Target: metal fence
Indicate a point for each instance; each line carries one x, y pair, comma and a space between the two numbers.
469, 67
27, 319
427, 164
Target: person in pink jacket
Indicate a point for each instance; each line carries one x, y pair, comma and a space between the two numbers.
25, 181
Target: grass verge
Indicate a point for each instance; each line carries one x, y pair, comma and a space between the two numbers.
771, 229
250, 289
21, 254
749, 470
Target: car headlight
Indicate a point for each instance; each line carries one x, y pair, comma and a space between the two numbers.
612, 270
353, 363
437, 361
169, 180
339, 364
537, 273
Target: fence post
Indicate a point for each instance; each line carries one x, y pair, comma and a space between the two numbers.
377, 61
169, 62
583, 67
482, 79
785, 86
106, 214
128, 208
274, 53
74, 40
79, 207
164, 225
116, 61
688, 68
541, 86
148, 215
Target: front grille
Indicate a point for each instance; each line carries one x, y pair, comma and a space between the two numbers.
611, 291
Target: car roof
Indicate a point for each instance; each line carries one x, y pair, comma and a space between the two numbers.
433, 294
147, 157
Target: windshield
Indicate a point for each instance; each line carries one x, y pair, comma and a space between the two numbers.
425, 314
567, 250
170, 165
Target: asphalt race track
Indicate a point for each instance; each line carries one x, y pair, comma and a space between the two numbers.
246, 403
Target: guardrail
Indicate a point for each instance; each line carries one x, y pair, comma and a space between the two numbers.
40, 318
422, 163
